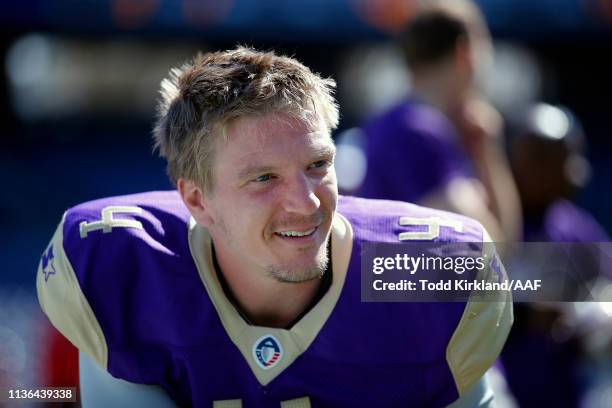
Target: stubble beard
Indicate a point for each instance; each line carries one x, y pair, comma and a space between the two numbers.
293, 274
287, 274
298, 274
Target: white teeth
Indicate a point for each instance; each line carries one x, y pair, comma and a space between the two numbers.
296, 234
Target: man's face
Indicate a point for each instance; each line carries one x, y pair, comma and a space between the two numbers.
274, 196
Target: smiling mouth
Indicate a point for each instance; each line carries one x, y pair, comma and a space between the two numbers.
296, 234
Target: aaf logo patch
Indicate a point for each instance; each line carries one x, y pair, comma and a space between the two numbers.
47, 263
267, 351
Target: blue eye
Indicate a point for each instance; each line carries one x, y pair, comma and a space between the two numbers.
318, 164
263, 178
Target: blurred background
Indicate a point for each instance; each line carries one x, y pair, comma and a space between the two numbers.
79, 82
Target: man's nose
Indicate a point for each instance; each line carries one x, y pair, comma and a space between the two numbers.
299, 196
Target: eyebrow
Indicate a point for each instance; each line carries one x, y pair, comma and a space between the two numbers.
319, 153
324, 150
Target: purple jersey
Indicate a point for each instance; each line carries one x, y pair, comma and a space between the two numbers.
135, 289
412, 151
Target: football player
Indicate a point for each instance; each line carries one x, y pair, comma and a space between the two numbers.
242, 287
547, 157
444, 139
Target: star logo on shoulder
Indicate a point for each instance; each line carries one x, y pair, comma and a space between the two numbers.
47, 263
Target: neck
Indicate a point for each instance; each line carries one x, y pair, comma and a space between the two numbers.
276, 305
437, 89
264, 301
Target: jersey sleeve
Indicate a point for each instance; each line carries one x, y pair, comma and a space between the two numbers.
64, 303
484, 326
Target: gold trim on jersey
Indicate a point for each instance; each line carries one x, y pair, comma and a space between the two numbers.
235, 403
482, 330
303, 402
64, 303
295, 340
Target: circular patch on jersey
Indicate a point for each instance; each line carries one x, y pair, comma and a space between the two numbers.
267, 351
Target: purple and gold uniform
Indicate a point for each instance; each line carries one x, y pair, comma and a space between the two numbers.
412, 151
133, 286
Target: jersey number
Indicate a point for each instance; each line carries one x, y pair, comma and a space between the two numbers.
108, 222
303, 402
433, 227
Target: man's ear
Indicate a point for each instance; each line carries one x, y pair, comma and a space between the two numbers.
193, 197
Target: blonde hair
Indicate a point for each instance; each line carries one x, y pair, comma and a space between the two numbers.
216, 88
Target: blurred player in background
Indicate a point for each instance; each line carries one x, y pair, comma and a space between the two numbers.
546, 350
442, 146
244, 286
547, 147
